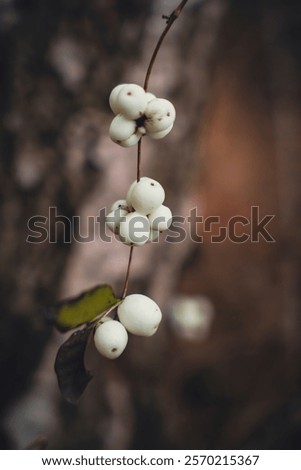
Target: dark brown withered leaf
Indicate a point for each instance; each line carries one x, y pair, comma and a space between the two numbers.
70, 368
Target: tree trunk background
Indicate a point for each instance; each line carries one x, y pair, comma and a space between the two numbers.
233, 71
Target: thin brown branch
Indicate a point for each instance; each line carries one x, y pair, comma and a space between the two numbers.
169, 22
127, 277
139, 160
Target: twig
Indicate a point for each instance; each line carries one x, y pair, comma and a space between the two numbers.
127, 277
169, 22
139, 159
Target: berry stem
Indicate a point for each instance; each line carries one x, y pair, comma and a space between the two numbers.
139, 159
169, 22
127, 277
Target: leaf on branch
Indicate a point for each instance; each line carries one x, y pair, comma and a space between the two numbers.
69, 366
76, 311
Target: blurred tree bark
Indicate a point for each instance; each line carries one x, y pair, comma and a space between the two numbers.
248, 386
58, 62
237, 147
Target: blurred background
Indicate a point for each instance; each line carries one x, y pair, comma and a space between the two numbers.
223, 371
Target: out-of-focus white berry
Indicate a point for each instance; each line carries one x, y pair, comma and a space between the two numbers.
149, 96
134, 228
192, 316
131, 101
160, 134
121, 128
139, 314
130, 141
119, 204
160, 114
114, 218
110, 339
113, 98
161, 218
146, 195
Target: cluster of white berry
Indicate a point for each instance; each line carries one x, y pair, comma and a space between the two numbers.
140, 217
138, 113
137, 314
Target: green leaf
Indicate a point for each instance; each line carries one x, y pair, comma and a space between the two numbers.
70, 368
76, 311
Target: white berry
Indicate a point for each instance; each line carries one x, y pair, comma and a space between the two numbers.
121, 128
119, 204
134, 228
160, 114
114, 218
130, 141
161, 218
113, 98
110, 339
129, 192
146, 195
131, 101
139, 314
160, 134
149, 96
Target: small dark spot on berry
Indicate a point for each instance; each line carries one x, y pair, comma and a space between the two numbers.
152, 184
114, 349
129, 93
168, 114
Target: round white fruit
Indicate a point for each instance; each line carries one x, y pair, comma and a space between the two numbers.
110, 339
134, 228
131, 101
160, 134
114, 218
141, 130
149, 96
121, 128
129, 192
119, 204
146, 195
160, 114
161, 218
130, 141
139, 314
113, 98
